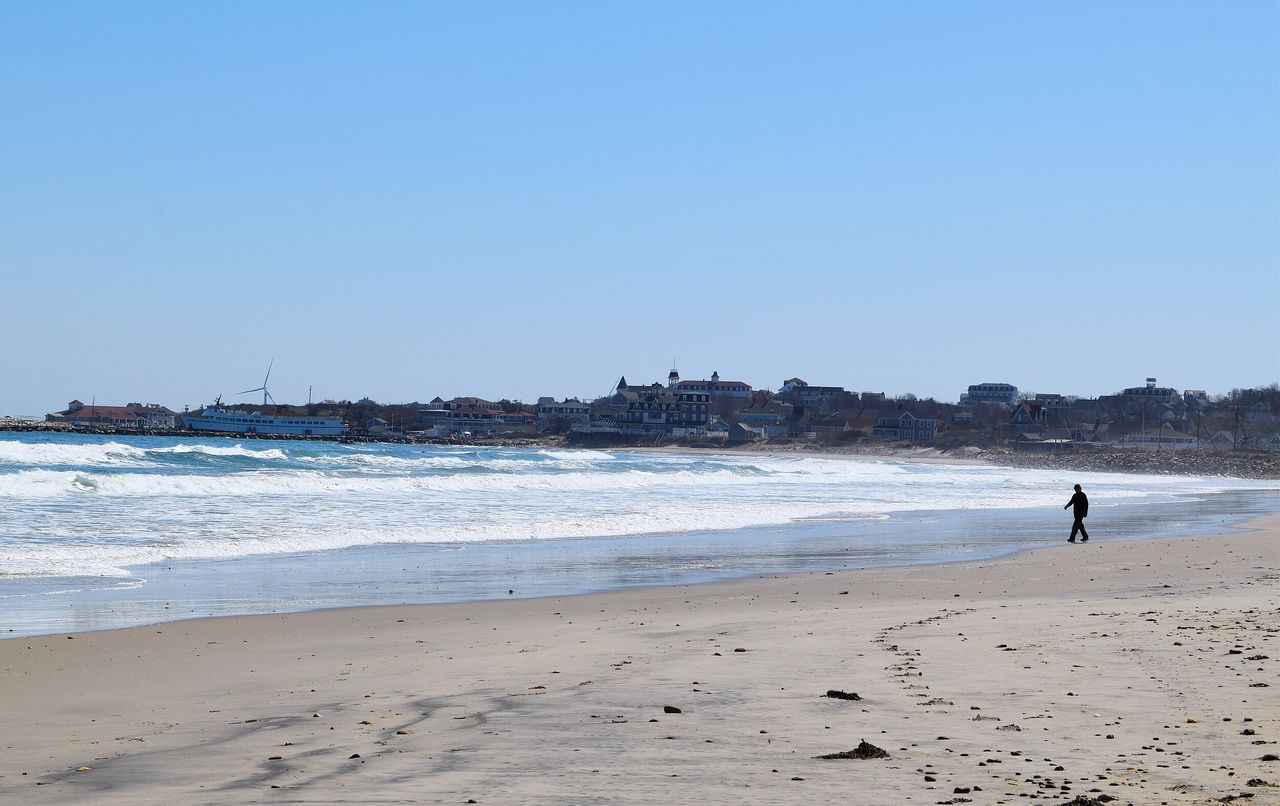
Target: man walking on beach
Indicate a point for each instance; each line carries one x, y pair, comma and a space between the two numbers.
1079, 504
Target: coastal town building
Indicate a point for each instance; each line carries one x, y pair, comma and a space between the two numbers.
1166, 436
1221, 441
905, 426
768, 418
1151, 392
716, 388
1030, 414
718, 428
1005, 393
461, 416
1084, 408
741, 433
819, 400
1051, 400
519, 422
841, 423
150, 417
659, 409
570, 410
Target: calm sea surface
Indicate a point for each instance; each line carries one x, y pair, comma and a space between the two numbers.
103, 532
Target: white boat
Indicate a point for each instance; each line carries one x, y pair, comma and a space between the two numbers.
231, 421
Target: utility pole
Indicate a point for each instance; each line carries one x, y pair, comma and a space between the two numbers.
1235, 426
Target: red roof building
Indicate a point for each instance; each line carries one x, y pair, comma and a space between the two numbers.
150, 416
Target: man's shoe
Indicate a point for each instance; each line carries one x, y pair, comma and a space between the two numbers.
1084, 540
1071, 540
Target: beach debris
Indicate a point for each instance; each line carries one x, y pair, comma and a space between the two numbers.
1270, 757
740, 649
353, 755
864, 750
1259, 782
837, 694
83, 769
671, 709
1010, 726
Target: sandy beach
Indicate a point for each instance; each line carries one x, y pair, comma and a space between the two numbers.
1144, 672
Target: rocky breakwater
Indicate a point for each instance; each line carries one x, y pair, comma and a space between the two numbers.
1236, 464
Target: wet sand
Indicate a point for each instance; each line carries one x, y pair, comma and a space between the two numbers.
1141, 671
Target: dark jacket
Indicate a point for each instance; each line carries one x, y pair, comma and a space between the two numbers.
1080, 503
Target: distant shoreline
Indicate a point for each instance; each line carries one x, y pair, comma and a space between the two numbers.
1103, 459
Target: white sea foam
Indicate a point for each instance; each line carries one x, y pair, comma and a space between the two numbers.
274, 537
59, 453
44, 454
221, 450
73, 508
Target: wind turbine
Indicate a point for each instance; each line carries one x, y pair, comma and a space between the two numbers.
263, 388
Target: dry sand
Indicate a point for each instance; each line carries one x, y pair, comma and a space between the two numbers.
1140, 671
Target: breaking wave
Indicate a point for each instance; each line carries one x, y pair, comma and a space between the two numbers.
83, 506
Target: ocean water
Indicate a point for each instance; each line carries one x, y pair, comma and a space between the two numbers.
106, 531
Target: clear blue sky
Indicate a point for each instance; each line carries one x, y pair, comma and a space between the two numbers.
518, 199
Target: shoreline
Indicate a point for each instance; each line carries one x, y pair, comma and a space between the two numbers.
1245, 524
394, 574
999, 677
